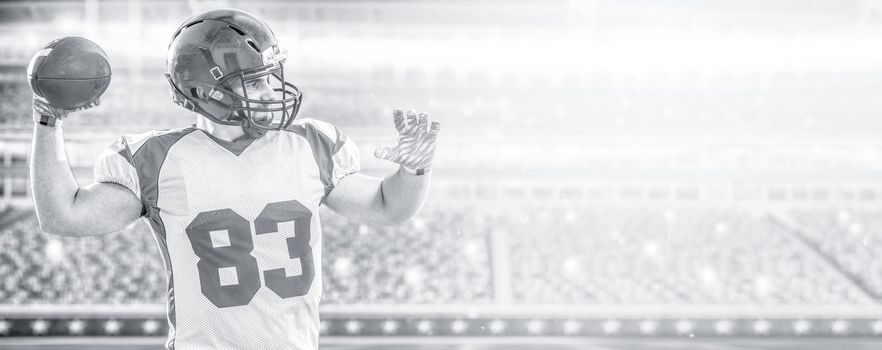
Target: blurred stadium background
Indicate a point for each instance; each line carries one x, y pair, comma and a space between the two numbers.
612, 174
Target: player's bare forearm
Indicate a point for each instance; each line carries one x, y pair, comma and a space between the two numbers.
385, 201
52, 181
65, 208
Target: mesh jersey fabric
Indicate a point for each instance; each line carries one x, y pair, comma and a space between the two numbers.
238, 228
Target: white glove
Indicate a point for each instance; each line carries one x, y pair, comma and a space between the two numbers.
416, 142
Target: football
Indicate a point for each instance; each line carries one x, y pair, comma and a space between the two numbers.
69, 72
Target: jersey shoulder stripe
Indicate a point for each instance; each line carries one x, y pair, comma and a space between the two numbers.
149, 151
136, 141
322, 138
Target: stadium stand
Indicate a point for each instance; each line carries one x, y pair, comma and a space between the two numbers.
608, 256
444, 261
850, 239
39, 268
437, 258
664, 256
16, 105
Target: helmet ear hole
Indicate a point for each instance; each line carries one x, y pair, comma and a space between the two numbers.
197, 92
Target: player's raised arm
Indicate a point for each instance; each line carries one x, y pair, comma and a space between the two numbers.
62, 206
396, 198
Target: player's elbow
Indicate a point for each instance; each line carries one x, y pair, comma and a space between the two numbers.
62, 226
395, 218
56, 226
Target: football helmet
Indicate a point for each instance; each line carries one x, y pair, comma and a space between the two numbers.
213, 52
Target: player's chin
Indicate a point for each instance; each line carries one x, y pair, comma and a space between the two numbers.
263, 119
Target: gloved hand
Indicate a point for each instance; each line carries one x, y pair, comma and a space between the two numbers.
416, 142
43, 108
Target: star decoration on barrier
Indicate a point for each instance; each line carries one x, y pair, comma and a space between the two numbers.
571, 327
801, 327
839, 327
112, 326
535, 327
458, 326
425, 327
40, 326
389, 327
724, 327
353, 327
150, 326
684, 327
762, 327
76, 327
611, 326
497, 326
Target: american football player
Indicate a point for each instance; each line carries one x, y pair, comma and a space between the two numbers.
233, 200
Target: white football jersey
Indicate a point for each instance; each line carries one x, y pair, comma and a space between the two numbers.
238, 228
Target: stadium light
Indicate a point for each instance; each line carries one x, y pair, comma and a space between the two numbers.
579, 53
708, 276
5, 326
343, 266
572, 266
855, 228
414, 277
843, 216
651, 249
54, 251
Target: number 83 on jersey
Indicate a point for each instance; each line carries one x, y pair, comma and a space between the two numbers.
238, 253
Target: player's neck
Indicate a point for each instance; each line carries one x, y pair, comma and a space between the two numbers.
227, 133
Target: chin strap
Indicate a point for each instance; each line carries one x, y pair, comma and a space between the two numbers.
251, 130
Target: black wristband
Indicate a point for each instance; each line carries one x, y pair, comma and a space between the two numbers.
48, 120
416, 172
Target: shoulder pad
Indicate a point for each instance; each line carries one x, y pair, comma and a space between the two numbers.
324, 127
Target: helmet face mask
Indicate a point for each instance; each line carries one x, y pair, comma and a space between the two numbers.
214, 62
275, 97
